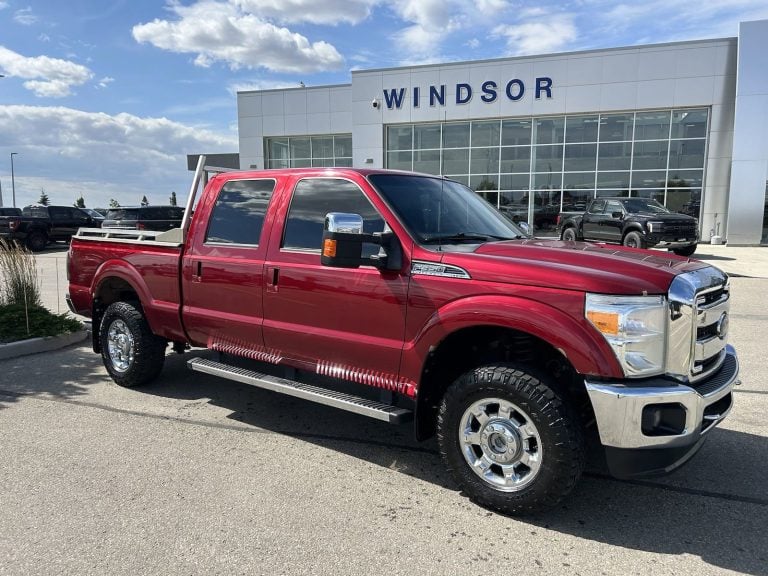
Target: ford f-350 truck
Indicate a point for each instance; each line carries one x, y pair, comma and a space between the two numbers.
403, 296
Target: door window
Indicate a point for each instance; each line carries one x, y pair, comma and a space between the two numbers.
238, 215
597, 207
313, 198
612, 207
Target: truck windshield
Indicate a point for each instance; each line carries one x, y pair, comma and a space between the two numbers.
636, 205
435, 210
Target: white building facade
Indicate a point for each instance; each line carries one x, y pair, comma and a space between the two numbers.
685, 123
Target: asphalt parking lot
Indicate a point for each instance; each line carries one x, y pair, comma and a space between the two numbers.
196, 475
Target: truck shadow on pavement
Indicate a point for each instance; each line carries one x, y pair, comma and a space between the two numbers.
715, 508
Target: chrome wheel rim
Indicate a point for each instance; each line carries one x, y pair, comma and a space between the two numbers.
501, 444
120, 346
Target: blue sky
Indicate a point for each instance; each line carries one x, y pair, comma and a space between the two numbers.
105, 99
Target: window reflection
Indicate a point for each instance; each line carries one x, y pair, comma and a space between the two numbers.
238, 214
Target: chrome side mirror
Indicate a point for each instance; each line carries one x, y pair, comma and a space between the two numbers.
342, 222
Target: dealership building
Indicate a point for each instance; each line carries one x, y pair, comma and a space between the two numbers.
685, 123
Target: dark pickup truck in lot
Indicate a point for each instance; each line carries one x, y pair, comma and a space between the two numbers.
402, 296
633, 222
35, 226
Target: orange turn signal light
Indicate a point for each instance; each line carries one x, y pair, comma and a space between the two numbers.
606, 322
329, 248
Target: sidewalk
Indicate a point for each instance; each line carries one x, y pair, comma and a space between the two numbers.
748, 261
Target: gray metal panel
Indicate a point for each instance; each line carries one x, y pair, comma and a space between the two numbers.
749, 171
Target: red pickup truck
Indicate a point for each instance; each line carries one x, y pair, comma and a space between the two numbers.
403, 296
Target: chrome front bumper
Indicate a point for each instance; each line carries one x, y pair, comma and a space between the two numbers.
619, 407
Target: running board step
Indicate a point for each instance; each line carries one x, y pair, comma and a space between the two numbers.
348, 402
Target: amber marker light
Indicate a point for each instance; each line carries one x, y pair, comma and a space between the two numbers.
329, 248
606, 322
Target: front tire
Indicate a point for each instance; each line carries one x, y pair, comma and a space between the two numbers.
132, 354
509, 440
634, 240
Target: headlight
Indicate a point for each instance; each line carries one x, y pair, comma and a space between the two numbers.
655, 226
635, 327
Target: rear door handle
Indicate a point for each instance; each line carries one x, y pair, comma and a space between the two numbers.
197, 271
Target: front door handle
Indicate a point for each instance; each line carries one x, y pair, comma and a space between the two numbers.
273, 277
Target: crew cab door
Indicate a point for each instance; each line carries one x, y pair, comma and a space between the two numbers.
223, 268
335, 321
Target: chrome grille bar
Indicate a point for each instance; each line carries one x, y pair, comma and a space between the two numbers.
698, 324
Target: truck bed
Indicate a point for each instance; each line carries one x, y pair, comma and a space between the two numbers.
149, 260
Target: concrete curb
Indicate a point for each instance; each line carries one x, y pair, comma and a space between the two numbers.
37, 345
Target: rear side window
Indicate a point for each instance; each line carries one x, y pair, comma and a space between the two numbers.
313, 199
123, 214
36, 211
238, 215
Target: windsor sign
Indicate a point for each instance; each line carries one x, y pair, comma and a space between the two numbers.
489, 91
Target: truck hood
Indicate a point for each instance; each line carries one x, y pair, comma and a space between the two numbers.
598, 268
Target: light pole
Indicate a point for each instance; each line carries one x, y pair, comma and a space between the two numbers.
13, 180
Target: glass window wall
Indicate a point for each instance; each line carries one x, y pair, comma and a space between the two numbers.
532, 168
305, 151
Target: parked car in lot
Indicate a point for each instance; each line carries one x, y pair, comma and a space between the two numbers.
159, 218
36, 225
95, 214
634, 222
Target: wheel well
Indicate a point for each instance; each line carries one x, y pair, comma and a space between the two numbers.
635, 228
472, 347
110, 290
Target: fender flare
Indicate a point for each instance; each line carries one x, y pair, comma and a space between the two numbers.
582, 345
116, 268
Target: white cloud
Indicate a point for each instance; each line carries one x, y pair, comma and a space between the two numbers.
491, 6
46, 76
432, 21
43, 37
669, 20
216, 31
3, 5
313, 11
104, 82
120, 156
539, 37
25, 16
260, 85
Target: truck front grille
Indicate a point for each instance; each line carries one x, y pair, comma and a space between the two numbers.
699, 303
681, 229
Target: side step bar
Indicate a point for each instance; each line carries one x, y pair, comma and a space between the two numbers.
348, 402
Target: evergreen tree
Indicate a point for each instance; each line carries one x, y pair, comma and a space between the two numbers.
144, 201
80, 202
173, 199
114, 203
43, 198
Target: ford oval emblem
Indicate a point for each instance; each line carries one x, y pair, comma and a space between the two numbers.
722, 326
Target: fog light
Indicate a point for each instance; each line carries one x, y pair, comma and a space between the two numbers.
663, 420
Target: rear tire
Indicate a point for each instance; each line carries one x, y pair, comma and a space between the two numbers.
509, 440
37, 241
634, 240
569, 235
687, 251
132, 354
